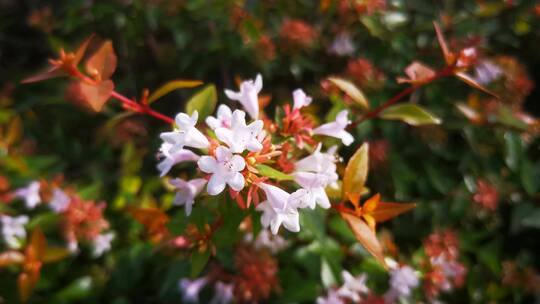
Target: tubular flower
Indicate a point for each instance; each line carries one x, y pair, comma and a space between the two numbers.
277, 210
223, 119
171, 159
312, 191
336, 128
225, 169
248, 95
186, 191
321, 163
241, 136
186, 134
300, 99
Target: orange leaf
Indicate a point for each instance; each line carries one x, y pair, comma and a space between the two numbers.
36, 248
365, 235
103, 62
417, 73
52, 72
371, 203
11, 257
154, 219
95, 96
448, 56
26, 286
472, 82
385, 211
81, 50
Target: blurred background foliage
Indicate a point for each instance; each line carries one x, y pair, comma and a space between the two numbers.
112, 158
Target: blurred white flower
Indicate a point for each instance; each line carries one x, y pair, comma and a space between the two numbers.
240, 136
13, 231
301, 99
186, 191
402, 281
102, 243
486, 72
186, 134
223, 293
248, 95
312, 191
353, 287
277, 210
337, 128
342, 45
191, 288
30, 194
59, 201
171, 159
332, 297
274, 243
223, 119
225, 169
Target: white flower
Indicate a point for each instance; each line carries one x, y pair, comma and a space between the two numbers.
300, 99
342, 45
223, 293
186, 191
337, 128
102, 243
353, 287
186, 134
402, 281
191, 288
241, 136
248, 95
73, 246
331, 298
277, 210
225, 169
312, 191
59, 201
13, 231
322, 163
30, 194
171, 159
274, 243
223, 119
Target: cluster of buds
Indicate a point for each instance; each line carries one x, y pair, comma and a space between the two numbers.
445, 271
248, 156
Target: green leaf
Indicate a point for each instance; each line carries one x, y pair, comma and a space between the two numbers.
410, 113
198, 261
530, 176
351, 90
77, 290
327, 276
203, 101
513, 150
532, 219
268, 171
171, 86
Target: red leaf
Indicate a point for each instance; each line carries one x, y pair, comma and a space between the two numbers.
103, 62
36, 248
26, 287
365, 236
95, 96
81, 50
472, 82
52, 72
448, 56
417, 73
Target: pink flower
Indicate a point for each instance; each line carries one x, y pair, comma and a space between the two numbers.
241, 136
223, 293
186, 134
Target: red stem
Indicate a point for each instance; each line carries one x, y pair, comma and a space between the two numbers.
447, 71
136, 107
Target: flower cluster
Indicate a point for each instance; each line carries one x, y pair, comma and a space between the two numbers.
249, 155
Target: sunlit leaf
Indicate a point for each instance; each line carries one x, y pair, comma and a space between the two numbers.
171, 86
365, 235
55, 254
356, 171
36, 247
267, 171
96, 96
385, 211
102, 62
470, 113
411, 114
204, 101
417, 73
351, 90
473, 83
